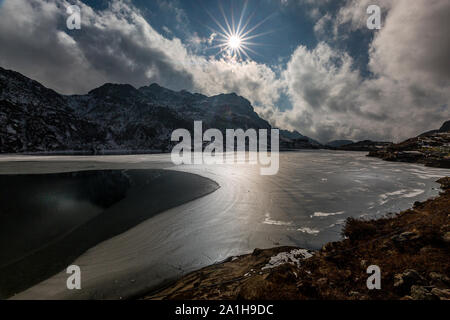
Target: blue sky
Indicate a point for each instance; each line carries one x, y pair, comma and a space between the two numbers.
287, 28
316, 67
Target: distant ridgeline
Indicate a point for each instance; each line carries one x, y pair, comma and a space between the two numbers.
116, 118
430, 148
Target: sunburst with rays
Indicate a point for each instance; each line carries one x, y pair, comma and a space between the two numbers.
234, 39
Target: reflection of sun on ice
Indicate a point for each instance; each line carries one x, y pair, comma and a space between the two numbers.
234, 42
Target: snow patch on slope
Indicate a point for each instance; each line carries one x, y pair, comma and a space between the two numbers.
293, 257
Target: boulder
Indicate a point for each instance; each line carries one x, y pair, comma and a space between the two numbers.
404, 281
439, 279
405, 236
441, 294
421, 293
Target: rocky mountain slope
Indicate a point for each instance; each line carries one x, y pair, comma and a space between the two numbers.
431, 148
445, 128
293, 140
114, 117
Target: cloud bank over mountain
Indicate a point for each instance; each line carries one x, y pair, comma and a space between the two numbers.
405, 92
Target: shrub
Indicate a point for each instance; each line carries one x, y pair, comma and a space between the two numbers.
356, 229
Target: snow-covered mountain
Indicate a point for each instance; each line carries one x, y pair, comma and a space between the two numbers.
111, 118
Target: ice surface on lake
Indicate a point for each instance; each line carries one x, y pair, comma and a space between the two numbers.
325, 214
249, 211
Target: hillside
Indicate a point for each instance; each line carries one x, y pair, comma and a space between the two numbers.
431, 149
339, 143
366, 145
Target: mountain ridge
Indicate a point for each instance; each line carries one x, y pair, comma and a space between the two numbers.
114, 117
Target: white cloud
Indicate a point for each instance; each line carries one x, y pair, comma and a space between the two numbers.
322, 24
325, 92
408, 93
414, 44
353, 15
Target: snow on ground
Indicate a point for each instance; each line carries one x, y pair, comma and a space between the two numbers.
270, 221
294, 257
327, 214
308, 230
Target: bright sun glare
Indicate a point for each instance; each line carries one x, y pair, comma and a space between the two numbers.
234, 42
234, 36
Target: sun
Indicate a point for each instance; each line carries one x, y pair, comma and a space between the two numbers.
233, 38
234, 42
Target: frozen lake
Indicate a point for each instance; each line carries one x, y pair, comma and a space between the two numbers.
304, 205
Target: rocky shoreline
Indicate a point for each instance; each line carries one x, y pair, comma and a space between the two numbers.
411, 248
431, 149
